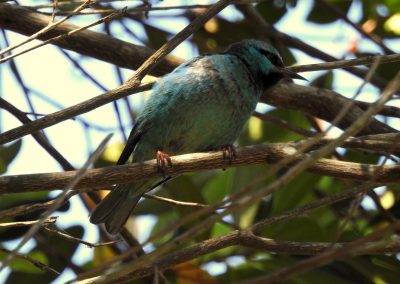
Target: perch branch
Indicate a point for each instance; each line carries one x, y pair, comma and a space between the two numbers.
258, 154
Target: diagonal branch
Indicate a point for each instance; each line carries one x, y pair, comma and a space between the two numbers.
51, 25
93, 44
62, 36
322, 103
38, 264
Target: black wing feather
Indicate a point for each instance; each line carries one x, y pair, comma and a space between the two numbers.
133, 139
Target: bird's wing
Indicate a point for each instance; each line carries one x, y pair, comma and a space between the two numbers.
133, 139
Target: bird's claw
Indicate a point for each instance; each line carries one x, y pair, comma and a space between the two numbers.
163, 160
229, 152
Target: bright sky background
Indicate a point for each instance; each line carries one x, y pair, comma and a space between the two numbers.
47, 70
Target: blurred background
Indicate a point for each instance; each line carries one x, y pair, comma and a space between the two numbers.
49, 79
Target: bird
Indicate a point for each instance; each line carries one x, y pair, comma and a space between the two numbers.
202, 105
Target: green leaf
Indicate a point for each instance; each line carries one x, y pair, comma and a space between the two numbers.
8, 154
361, 157
152, 207
163, 221
273, 133
271, 12
298, 192
323, 81
219, 185
320, 14
156, 36
382, 269
53, 247
224, 33
23, 277
23, 265
296, 229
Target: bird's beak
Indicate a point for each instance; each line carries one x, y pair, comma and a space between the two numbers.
291, 74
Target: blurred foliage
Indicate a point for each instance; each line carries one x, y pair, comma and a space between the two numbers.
209, 187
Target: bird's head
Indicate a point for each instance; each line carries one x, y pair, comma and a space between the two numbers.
263, 60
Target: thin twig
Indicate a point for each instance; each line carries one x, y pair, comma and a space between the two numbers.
77, 240
128, 10
57, 38
69, 112
24, 209
61, 198
38, 264
365, 60
357, 201
45, 222
38, 136
50, 26
283, 123
174, 202
326, 257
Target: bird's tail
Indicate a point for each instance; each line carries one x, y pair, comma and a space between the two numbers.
116, 207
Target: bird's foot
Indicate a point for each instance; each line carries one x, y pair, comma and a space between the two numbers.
163, 160
229, 152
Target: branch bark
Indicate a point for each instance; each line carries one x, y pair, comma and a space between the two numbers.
93, 44
322, 103
259, 154
249, 240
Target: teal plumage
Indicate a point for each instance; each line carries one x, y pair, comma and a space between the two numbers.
202, 105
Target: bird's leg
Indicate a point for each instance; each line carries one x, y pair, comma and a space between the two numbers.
229, 152
163, 160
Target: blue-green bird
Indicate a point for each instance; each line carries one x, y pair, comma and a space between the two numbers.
201, 106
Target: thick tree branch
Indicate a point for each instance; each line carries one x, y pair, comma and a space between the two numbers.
93, 44
249, 240
259, 154
322, 103
362, 244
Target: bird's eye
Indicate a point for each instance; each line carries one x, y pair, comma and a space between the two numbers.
276, 60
